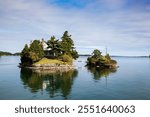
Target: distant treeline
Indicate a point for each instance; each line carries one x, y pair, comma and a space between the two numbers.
9, 54
118, 56
84, 55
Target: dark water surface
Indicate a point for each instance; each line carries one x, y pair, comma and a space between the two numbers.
130, 81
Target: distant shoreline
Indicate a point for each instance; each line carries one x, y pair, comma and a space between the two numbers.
123, 56
87, 55
2, 53
10, 55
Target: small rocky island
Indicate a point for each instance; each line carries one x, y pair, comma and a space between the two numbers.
52, 55
100, 61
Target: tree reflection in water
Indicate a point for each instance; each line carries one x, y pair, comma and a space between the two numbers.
100, 72
56, 84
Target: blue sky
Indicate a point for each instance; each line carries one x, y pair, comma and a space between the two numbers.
123, 26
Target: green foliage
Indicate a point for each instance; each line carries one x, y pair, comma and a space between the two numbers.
9, 54
65, 46
98, 60
66, 58
96, 53
25, 50
92, 60
67, 43
37, 48
31, 54
56, 49
49, 61
107, 57
74, 54
5, 53
54, 46
113, 61
25, 59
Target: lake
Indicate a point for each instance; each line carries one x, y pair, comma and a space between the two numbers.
131, 81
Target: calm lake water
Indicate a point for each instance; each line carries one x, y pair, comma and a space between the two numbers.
130, 81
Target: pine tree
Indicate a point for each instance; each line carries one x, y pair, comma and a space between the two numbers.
25, 50
54, 46
67, 45
96, 53
37, 48
31, 54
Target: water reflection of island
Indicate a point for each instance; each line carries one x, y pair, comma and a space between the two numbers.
101, 72
54, 83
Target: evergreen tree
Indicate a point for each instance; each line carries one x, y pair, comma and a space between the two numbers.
25, 50
96, 53
25, 59
67, 45
54, 46
74, 54
31, 54
37, 48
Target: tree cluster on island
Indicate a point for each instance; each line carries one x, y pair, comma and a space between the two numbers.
98, 60
61, 50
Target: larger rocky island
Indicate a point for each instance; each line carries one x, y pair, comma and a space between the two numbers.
51, 55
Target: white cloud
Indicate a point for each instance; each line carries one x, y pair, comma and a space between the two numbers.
23, 20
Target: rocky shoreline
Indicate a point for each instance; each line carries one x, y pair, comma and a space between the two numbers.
50, 67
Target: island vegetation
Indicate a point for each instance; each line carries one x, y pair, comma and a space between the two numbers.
59, 53
2, 53
98, 60
5, 53
49, 54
